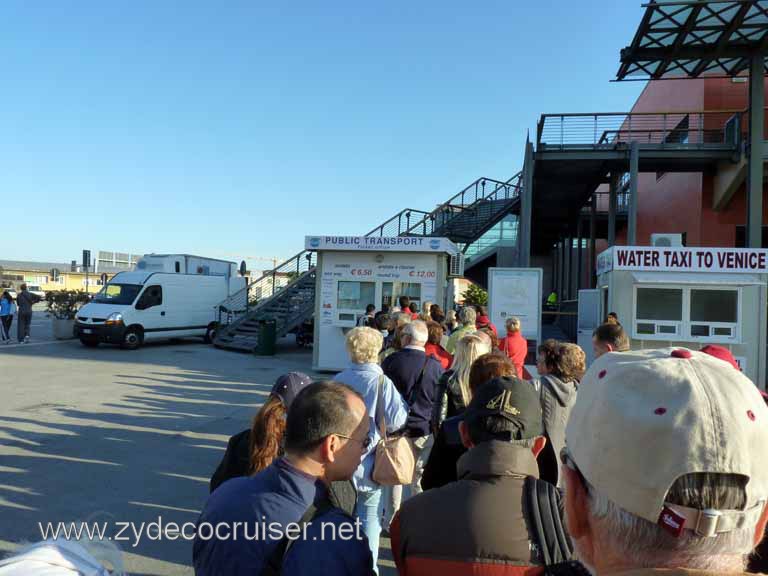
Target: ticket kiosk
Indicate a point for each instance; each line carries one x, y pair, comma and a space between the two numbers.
689, 297
354, 271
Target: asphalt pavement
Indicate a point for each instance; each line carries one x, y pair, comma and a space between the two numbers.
111, 435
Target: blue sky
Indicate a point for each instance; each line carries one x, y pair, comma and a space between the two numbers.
235, 128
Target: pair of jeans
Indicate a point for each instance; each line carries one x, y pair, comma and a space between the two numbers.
396, 495
368, 509
5, 326
22, 324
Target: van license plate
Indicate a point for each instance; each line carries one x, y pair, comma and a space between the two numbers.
87, 331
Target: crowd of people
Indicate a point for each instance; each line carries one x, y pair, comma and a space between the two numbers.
21, 308
649, 462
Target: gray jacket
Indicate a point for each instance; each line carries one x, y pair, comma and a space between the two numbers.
25, 300
557, 398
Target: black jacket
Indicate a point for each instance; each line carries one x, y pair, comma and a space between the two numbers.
404, 368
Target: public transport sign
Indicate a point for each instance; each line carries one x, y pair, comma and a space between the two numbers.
381, 244
684, 259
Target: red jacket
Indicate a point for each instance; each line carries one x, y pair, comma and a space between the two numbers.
440, 354
516, 349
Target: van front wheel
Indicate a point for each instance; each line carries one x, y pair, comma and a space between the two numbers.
132, 339
210, 334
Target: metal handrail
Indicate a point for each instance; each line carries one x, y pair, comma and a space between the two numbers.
449, 207
244, 299
689, 129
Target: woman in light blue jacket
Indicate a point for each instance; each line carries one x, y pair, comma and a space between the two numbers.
365, 375
6, 316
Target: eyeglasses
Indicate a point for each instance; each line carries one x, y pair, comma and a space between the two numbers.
365, 443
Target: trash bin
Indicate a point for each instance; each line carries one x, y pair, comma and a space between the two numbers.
267, 338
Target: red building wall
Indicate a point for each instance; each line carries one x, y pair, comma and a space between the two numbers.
682, 202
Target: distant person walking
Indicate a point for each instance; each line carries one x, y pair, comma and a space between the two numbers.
6, 316
25, 302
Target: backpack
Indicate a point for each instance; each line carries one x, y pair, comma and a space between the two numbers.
544, 505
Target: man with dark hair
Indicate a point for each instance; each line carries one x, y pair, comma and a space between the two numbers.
367, 319
489, 521
609, 338
248, 522
405, 304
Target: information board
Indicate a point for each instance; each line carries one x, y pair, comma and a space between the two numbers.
516, 292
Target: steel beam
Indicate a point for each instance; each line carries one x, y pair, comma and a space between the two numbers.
612, 201
755, 158
568, 266
579, 262
592, 247
526, 208
634, 165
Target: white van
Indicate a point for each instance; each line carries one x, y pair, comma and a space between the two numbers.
137, 307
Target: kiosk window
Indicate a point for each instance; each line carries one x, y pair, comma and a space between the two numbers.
660, 304
715, 306
391, 292
355, 295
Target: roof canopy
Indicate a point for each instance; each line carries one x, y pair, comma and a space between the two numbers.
692, 38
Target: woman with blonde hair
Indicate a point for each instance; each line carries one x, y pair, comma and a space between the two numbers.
453, 391
366, 376
426, 311
561, 366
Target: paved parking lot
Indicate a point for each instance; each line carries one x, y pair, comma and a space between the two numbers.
114, 435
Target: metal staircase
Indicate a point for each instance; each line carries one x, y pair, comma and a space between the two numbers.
287, 293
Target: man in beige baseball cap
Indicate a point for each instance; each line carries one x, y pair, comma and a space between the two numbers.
666, 465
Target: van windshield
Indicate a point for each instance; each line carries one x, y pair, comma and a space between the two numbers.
118, 294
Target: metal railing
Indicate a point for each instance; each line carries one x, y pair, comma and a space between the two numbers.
675, 130
469, 199
406, 222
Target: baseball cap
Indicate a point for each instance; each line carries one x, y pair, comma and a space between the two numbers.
644, 419
288, 386
722, 353
511, 398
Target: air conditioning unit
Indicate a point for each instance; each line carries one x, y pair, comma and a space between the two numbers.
666, 240
456, 266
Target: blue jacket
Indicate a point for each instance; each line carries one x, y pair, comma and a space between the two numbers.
365, 379
5, 307
404, 368
335, 544
279, 494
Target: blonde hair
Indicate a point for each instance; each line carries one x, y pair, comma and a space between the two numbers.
570, 363
512, 324
364, 344
426, 308
402, 318
468, 349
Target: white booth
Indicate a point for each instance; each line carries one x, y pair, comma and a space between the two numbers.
689, 297
354, 271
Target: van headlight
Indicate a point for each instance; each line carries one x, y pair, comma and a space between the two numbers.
114, 319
